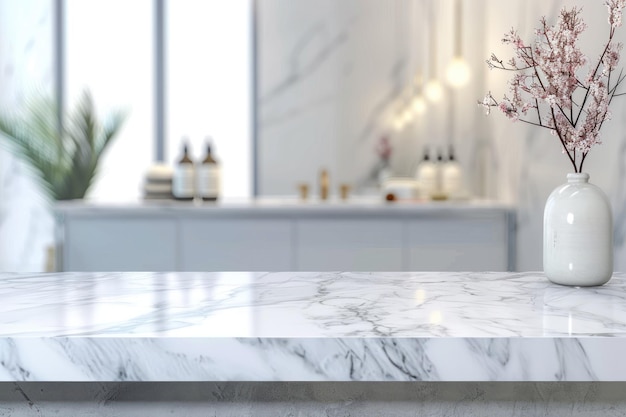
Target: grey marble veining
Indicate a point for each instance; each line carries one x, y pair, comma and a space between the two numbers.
241, 326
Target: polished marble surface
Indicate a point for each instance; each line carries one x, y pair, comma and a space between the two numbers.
243, 326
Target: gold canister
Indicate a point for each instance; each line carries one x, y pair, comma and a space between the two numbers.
344, 191
304, 190
324, 185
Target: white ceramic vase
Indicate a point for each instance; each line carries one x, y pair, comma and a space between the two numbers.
578, 234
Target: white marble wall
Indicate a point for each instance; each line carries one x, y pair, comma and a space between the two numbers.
331, 72
26, 65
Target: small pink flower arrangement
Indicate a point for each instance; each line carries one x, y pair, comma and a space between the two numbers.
383, 148
547, 89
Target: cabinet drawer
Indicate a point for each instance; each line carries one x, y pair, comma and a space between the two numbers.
459, 244
349, 245
235, 245
119, 244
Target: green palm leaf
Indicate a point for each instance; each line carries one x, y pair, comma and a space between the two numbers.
66, 162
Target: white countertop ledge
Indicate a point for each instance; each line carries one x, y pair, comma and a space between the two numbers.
288, 206
307, 326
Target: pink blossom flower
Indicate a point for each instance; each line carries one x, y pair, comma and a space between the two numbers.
383, 149
615, 12
509, 109
547, 80
487, 102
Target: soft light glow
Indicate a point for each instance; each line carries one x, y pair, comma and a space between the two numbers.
435, 317
458, 73
433, 90
398, 123
420, 296
407, 115
418, 105
570, 218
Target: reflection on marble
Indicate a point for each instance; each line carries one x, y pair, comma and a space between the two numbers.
242, 326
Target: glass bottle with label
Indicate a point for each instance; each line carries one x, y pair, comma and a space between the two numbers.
209, 177
426, 175
451, 176
183, 184
439, 166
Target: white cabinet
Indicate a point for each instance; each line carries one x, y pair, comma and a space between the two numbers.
119, 244
235, 245
459, 243
349, 245
267, 238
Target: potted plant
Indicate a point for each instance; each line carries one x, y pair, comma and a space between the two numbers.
557, 88
64, 158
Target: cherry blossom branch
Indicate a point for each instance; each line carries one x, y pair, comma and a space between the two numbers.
580, 169
538, 112
595, 71
558, 132
547, 76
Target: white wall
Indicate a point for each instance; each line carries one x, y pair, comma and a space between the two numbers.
26, 66
332, 75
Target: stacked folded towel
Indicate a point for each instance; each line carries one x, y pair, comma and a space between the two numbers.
158, 183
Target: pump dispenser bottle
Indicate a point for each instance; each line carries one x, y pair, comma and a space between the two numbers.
209, 176
451, 176
426, 176
183, 179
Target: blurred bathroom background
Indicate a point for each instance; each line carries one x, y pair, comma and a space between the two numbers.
286, 87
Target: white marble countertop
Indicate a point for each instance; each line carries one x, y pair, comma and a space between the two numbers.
242, 326
280, 206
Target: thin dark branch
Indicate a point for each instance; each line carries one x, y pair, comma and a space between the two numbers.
514, 68
538, 112
558, 132
534, 123
595, 71
580, 169
620, 78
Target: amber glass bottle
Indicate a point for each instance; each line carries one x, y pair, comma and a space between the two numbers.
183, 187
209, 177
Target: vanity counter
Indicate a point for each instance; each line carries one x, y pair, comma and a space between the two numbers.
308, 326
280, 206
286, 235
